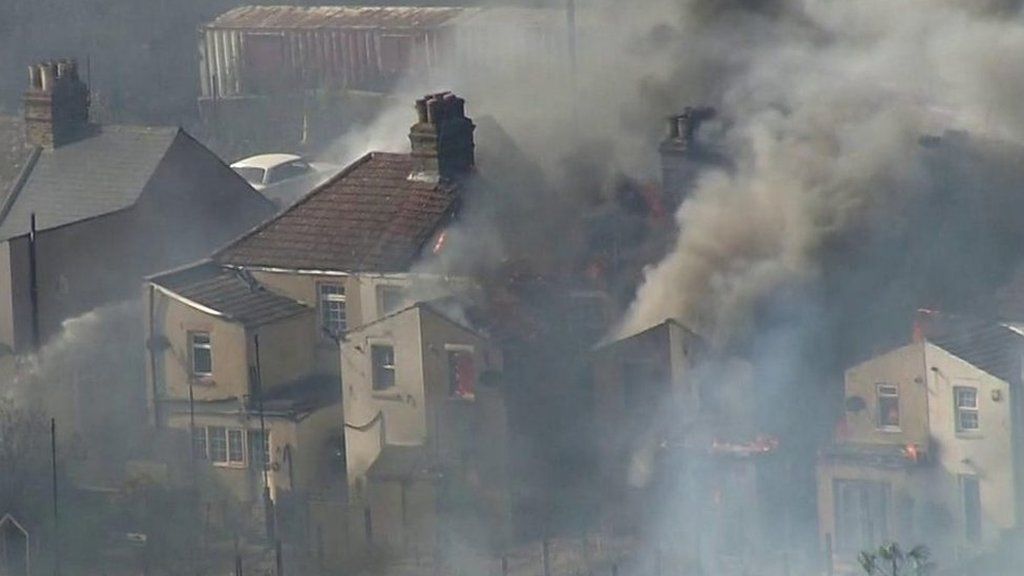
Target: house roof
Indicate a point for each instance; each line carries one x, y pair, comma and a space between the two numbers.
663, 325
102, 173
302, 396
14, 152
400, 463
230, 293
992, 346
278, 17
369, 217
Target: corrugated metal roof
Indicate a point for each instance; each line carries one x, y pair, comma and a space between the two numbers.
238, 297
97, 175
369, 217
290, 17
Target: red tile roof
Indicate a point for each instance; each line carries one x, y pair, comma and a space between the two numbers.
371, 217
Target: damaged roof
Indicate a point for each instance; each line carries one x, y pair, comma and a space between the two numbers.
282, 17
97, 175
369, 217
992, 346
230, 293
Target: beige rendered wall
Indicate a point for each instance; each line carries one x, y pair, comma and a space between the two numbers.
986, 454
902, 367
287, 349
318, 467
174, 320
402, 406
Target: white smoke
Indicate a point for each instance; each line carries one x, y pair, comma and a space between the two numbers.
825, 120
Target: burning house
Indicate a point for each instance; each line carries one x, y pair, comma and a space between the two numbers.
928, 447
677, 425
253, 351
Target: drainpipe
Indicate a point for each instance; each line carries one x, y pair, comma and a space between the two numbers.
33, 282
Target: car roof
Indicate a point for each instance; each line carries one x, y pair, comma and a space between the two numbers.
266, 161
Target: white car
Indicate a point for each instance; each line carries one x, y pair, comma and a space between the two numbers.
282, 177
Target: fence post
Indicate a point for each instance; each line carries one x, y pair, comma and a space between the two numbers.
615, 569
368, 526
829, 569
504, 565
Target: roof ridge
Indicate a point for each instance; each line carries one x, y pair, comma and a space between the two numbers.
301, 201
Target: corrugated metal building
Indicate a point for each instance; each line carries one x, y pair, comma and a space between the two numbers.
265, 50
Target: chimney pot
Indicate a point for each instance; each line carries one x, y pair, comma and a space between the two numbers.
442, 140
56, 104
48, 72
34, 81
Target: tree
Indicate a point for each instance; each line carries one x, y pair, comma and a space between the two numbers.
891, 560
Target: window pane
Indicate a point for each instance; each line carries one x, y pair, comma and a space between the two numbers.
888, 406
972, 507
235, 449
383, 358
968, 420
199, 443
259, 449
218, 444
390, 299
333, 319
202, 354
461, 374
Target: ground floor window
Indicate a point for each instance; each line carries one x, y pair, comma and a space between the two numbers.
861, 514
220, 445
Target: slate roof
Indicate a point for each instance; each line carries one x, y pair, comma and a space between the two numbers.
13, 151
992, 346
232, 293
369, 217
96, 175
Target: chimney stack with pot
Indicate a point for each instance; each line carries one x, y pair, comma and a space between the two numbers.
442, 138
681, 154
56, 104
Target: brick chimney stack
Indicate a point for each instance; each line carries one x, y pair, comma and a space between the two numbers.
681, 154
442, 138
56, 104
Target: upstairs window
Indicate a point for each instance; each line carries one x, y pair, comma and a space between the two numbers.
333, 320
383, 357
966, 401
390, 299
461, 374
888, 406
202, 354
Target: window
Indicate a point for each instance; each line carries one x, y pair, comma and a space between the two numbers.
390, 299
383, 357
971, 493
289, 170
259, 449
888, 406
966, 402
332, 309
225, 445
252, 175
461, 374
218, 444
202, 354
862, 512
199, 451
236, 451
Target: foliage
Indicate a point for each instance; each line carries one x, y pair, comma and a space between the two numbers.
891, 560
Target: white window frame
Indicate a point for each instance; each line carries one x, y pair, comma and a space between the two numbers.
381, 289
331, 298
197, 432
228, 461
887, 390
373, 367
466, 349
193, 346
961, 410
